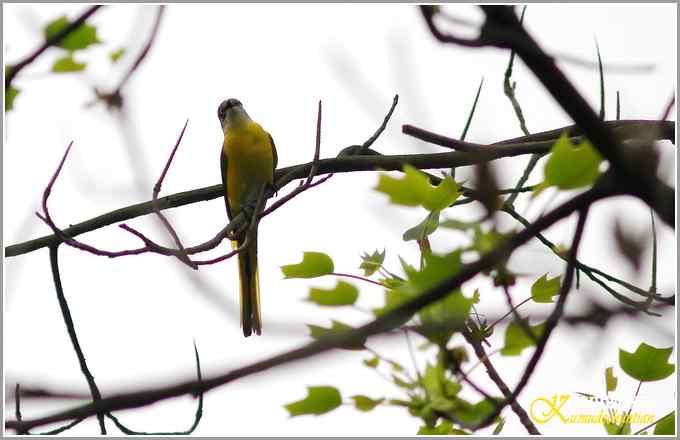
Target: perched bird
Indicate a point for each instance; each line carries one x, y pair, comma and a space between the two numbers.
248, 159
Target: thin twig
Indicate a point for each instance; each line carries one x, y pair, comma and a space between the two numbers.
552, 320
369, 142
357, 277
182, 254
500, 383
601, 70
472, 110
70, 328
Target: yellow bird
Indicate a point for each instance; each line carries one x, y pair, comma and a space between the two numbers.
248, 161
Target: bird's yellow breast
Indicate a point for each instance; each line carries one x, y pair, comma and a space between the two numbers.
250, 162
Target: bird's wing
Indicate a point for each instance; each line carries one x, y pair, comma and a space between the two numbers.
274, 155
223, 165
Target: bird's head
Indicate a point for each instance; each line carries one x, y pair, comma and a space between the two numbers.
231, 112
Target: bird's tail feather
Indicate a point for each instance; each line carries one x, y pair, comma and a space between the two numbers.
251, 320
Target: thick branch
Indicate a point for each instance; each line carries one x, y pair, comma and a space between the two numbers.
372, 161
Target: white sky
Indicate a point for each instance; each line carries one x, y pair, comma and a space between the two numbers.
136, 317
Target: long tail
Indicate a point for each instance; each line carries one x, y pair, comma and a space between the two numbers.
251, 319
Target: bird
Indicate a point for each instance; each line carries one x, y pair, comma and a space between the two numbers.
248, 159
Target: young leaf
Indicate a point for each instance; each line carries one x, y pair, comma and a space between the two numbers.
81, 37
433, 381
319, 400
314, 264
614, 429
343, 294
414, 189
402, 383
67, 64
610, 379
337, 327
516, 339
411, 190
372, 363
365, 404
476, 413
424, 228
443, 428
117, 54
393, 298
545, 288
499, 427
10, 94
457, 224
442, 195
486, 241
571, 166
372, 263
647, 364
666, 426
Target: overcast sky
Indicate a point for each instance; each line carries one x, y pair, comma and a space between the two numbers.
137, 316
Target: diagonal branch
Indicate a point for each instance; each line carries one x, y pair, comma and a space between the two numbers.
382, 324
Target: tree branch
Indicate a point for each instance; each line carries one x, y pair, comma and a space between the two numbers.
370, 162
384, 323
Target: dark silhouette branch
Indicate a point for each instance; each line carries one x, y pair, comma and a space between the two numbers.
382, 324
552, 320
500, 383
369, 162
70, 328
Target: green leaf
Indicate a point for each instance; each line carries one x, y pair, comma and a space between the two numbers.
485, 242
443, 428
67, 64
337, 327
414, 189
610, 379
314, 264
441, 319
614, 429
408, 269
424, 228
571, 166
648, 363
393, 299
396, 366
372, 263
499, 427
365, 404
458, 224
402, 383
343, 294
319, 400
441, 196
373, 362
10, 94
80, 38
117, 54
545, 288
433, 381
666, 426
472, 414
410, 190
516, 339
